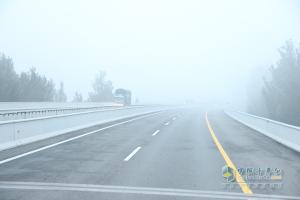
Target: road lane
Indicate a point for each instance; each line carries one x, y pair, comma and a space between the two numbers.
249, 148
79, 160
182, 156
239, 179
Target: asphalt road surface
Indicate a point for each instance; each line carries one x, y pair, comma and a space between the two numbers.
167, 155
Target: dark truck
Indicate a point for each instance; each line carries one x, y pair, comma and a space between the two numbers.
123, 96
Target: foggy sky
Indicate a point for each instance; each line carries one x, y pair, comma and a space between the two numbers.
163, 50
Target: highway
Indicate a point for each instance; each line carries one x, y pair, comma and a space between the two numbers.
171, 154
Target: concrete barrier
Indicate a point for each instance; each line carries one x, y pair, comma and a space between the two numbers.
18, 132
285, 134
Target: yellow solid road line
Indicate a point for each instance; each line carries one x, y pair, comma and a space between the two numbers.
244, 186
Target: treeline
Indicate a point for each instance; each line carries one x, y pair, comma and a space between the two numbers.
26, 86
279, 97
32, 87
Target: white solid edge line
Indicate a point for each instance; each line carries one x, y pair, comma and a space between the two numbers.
132, 154
135, 190
71, 139
155, 133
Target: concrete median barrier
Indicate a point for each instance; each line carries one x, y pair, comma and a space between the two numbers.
285, 134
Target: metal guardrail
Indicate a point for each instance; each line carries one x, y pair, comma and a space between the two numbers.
283, 133
33, 113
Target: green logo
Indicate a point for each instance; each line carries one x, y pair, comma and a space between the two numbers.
228, 174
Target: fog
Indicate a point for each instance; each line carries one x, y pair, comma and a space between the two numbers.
163, 51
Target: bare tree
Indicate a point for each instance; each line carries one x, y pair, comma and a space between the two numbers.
103, 89
60, 94
77, 97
